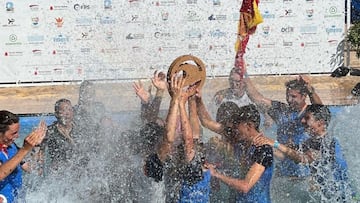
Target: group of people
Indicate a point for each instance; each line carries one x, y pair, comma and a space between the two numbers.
304, 163
239, 163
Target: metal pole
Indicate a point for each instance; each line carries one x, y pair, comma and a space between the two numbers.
348, 23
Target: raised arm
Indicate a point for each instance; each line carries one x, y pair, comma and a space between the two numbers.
313, 96
194, 118
171, 119
31, 140
187, 131
206, 119
255, 95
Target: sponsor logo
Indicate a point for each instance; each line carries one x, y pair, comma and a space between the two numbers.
267, 15
35, 22
13, 40
107, 4
59, 7
191, 1
164, 16
165, 3
333, 42
217, 33
217, 47
309, 13
192, 16
193, 33
36, 52
131, 36
42, 72
167, 49
59, 22
85, 50
287, 44
78, 7
164, 35
109, 36
13, 53
83, 21
308, 29
134, 18
216, 2
35, 39
193, 46
265, 31
288, 13
309, 1
61, 39
217, 17
266, 45
61, 52
333, 29
11, 22
137, 49
309, 44
332, 11
9, 7
34, 7
110, 51
107, 20
287, 29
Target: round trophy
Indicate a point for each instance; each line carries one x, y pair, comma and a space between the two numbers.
192, 69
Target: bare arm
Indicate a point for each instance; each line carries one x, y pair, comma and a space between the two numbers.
256, 96
241, 185
171, 119
295, 155
313, 96
206, 119
32, 140
194, 118
187, 132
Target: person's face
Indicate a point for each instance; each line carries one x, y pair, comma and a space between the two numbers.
65, 114
236, 83
10, 135
240, 131
311, 125
295, 99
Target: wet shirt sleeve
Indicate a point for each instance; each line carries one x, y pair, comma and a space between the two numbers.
276, 110
264, 155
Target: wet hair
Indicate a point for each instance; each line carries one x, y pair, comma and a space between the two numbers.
320, 112
248, 113
59, 102
225, 112
150, 135
7, 118
297, 85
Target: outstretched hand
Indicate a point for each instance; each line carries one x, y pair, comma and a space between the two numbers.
159, 80
141, 92
36, 136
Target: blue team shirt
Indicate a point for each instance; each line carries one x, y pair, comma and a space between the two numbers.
10, 186
291, 131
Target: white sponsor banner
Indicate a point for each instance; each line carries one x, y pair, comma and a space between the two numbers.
49, 41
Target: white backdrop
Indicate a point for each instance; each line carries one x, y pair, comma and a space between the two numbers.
46, 41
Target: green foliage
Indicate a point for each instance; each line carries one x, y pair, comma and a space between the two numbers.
353, 37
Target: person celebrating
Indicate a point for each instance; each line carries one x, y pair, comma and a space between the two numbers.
10, 156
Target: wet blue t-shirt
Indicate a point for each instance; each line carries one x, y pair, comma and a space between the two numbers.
10, 186
290, 132
260, 192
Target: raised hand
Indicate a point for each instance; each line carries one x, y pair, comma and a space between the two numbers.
159, 80
36, 136
141, 92
176, 85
